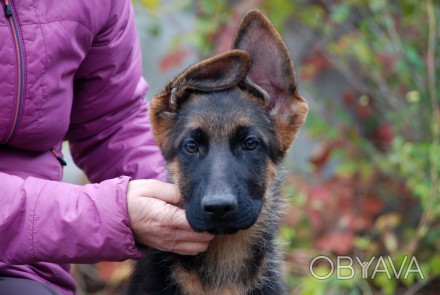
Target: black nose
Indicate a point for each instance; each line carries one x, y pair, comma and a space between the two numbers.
219, 206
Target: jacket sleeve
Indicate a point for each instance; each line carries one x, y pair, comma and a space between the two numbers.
42, 220
110, 136
110, 130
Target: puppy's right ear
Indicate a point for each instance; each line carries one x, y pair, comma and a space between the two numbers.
220, 72
272, 70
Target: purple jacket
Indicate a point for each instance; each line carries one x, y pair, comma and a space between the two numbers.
69, 70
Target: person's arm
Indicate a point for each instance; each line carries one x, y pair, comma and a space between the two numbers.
110, 130
51, 221
42, 220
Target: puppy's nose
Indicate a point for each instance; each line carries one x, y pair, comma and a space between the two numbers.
219, 206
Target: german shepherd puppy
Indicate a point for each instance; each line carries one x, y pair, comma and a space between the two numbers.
224, 126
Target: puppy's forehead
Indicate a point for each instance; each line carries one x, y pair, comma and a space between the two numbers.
219, 114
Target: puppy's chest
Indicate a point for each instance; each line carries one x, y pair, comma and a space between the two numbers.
225, 270
190, 283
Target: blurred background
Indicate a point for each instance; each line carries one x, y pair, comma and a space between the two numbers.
363, 177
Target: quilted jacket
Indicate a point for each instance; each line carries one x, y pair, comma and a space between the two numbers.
69, 70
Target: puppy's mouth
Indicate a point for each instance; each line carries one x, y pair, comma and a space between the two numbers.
224, 230
219, 227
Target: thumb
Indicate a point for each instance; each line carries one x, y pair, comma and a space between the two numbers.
152, 188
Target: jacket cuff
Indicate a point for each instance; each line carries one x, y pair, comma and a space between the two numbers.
83, 224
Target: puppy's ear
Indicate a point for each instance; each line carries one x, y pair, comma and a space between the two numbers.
220, 72
272, 70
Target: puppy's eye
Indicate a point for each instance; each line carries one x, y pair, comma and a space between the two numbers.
251, 143
191, 146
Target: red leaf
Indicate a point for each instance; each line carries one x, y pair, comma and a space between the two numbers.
364, 111
388, 62
173, 59
313, 65
338, 242
385, 133
319, 198
371, 205
355, 222
320, 155
349, 97
224, 36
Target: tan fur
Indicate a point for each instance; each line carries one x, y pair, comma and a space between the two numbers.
227, 254
191, 285
227, 130
160, 121
287, 127
174, 169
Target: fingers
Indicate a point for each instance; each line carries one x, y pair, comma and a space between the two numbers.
178, 241
166, 192
183, 239
182, 247
189, 248
183, 235
158, 223
188, 243
176, 218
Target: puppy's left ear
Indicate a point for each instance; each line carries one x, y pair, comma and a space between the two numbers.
220, 72
272, 70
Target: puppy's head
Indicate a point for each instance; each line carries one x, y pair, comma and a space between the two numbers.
224, 125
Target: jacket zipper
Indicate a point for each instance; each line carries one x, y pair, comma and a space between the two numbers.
20, 70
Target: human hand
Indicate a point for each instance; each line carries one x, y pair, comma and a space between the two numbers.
159, 224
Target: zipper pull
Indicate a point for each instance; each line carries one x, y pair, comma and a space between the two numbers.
60, 159
8, 10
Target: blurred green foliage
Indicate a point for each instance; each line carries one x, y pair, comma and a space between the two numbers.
383, 132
